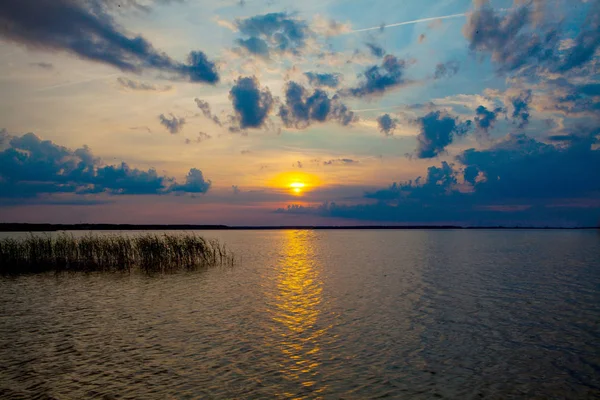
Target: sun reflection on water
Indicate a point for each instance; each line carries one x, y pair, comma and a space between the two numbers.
296, 309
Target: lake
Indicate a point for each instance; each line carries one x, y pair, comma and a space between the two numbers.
346, 314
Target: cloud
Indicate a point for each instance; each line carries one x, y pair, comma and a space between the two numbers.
446, 70
301, 107
518, 180
199, 68
42, 65
173, 124
30, 167
205, 108
340, 161
522, 167
252, 104
386, 124
272, 33
485, 119
194, 183
507, 38
4, 138
437, 130
586, 43
86, 29
323, 79
520, 107
329, 27
438, 182
255, 46
522, 40
376, 50
141, 86
567, 98
377, 79
199, 139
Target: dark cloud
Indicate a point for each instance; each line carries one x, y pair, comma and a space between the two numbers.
437, 131
376, 50
507, 38
519, 180
470, 174
30, 167
255, 46
573, 99
446, 70
379, 78
386, 124
42, 65
251, 103
194, 183
273, 33
340, 161
86, 29
520, 107
341, 113
302, 107
419, 200
522, 167
328, 80
586, 43
173, 124
141, 86
485, 119
4, 138
205, 108
121, 5
518, 39
199, 68
199, 139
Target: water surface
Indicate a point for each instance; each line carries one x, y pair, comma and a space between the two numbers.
320, 314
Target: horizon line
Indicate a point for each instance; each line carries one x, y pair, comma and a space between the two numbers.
48, 227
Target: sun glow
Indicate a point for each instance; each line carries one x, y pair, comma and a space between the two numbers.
296, 182
297, 187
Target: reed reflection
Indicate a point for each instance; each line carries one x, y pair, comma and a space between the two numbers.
296, 309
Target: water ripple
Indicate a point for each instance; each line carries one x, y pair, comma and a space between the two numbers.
324, 314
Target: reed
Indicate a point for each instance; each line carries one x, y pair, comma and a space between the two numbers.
148, 253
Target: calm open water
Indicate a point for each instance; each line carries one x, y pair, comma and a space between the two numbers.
320, 314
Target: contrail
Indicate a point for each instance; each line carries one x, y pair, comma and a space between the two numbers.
60, 85
416, 21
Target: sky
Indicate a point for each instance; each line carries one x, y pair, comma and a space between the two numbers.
276, 112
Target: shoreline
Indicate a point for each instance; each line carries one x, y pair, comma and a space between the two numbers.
26, 227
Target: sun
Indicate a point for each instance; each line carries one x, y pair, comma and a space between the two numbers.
295, 183
297, 187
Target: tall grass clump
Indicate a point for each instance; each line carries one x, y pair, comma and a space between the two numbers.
148, 253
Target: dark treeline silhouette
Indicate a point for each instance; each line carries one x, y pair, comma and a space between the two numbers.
23, 227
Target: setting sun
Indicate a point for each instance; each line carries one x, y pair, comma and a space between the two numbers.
297, 187
296, 182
